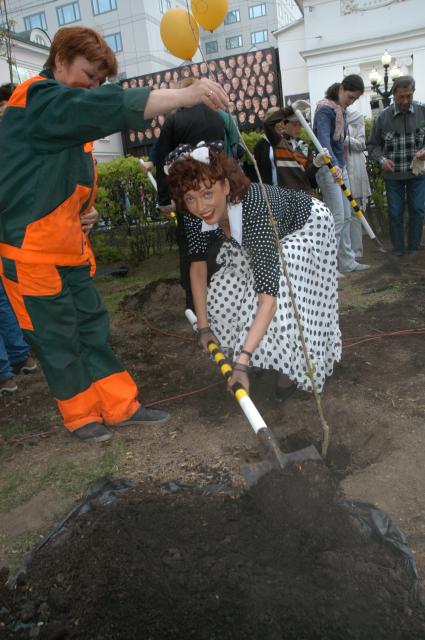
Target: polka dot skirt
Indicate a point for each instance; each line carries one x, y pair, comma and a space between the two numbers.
310, 254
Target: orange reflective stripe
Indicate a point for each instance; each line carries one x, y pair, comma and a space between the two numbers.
19, 96
38, 279
40, 257
60, 230
18, 305
118, 393
81, 409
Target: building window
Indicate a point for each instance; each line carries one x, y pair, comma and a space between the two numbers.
68, 13
232, 17
164, 5
103, 6
259, 36
36, 21
258, 11
211, 47
234, 42
114, 41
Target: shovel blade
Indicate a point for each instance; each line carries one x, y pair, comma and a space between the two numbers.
253, 471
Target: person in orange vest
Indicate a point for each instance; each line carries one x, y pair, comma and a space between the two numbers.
47, 182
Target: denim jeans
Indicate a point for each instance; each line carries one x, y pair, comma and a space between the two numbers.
340, 208
13, 348
397, 190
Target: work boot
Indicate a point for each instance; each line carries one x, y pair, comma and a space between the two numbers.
27, 366
146, 416
93, 432
8, 386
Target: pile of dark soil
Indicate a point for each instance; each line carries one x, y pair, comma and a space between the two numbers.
283, 561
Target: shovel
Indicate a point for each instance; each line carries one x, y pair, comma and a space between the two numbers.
277, 458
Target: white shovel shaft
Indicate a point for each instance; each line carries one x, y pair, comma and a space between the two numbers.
150, 176
309, 130
248, 407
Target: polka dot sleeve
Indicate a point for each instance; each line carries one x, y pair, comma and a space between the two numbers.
291, 210
197, 241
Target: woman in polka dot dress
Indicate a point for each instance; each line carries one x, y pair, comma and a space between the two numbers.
246, 304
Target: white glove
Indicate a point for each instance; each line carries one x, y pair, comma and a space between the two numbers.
319, 160
418, 167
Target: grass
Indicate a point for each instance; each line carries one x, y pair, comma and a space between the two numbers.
67, 478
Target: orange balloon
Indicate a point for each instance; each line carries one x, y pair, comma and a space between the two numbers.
210, 13
180, 33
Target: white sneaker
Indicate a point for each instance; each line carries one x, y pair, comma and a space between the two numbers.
339, 275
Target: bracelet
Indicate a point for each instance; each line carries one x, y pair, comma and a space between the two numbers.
246, 353
241, 367
203, 331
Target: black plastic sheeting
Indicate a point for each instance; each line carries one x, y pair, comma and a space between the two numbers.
373, 521
378, 524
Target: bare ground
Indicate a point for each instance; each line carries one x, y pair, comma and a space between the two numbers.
374, 404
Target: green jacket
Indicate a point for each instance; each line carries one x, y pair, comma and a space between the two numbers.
47, 174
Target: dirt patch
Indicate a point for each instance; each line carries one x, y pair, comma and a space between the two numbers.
375, 406
34, 514
283, 560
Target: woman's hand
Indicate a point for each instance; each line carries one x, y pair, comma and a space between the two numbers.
205, 337
239, 375
337, 174
205, 91
88, 220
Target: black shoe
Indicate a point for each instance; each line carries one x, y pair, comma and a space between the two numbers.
93, 432
29, 365
146, 416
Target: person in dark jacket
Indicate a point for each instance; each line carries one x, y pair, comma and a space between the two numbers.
263, 150
184, 126
47, 182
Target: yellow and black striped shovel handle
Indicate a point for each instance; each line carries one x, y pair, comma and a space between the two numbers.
225, 368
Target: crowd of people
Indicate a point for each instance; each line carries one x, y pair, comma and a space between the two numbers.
232, 230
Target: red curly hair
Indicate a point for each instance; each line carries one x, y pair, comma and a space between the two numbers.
70, 42
187, 174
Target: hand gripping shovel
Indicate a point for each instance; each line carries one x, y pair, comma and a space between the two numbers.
277, 459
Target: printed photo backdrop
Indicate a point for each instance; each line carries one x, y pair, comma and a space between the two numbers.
249, 79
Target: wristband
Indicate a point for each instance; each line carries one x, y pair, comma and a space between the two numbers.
203, 331
246, 353
241, 367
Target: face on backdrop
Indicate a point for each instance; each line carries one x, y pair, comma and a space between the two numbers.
209, 202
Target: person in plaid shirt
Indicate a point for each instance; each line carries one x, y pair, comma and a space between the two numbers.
397, 143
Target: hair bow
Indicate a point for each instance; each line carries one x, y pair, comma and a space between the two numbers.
200, 153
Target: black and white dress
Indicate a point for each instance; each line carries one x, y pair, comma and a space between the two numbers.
249, 263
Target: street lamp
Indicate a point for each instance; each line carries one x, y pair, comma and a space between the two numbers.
375, 78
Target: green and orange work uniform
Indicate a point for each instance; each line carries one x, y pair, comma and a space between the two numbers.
47, 181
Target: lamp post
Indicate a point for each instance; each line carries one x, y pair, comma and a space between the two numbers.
375, 79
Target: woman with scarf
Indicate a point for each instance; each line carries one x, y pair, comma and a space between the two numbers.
330, 126
246, 303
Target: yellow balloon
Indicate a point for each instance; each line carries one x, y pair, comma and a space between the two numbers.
210, 13
180, 33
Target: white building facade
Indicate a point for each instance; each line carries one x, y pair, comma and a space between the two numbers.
350, 36
249, 25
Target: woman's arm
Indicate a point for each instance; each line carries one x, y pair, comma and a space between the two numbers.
198, 283
265, 311
201, 91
